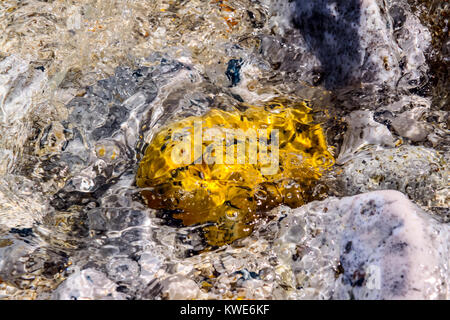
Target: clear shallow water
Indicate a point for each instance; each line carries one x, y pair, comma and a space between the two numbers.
86, 84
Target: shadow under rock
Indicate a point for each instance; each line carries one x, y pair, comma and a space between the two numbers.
330, 29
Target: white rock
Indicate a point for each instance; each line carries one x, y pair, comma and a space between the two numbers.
180, 288
89, 284
408, 126
19, 83
363, 130
377, 245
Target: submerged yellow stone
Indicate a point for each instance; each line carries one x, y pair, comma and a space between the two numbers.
224, 169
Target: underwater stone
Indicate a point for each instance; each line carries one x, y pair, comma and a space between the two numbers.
180, 288
373, 245
107, 104
88, 284
417, 171
20, 207
11, 258
232, 194
362, 131
349, 42
122, 269
378, 245
408, 126
399, 243
19, 82
108, 119
233, 69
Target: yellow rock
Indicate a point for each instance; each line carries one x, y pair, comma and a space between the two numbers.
223, 182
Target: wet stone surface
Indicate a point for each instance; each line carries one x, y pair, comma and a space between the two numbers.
372, 246
77, 114
239, 172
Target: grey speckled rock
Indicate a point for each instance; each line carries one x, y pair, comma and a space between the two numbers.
382, 247
421, 173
